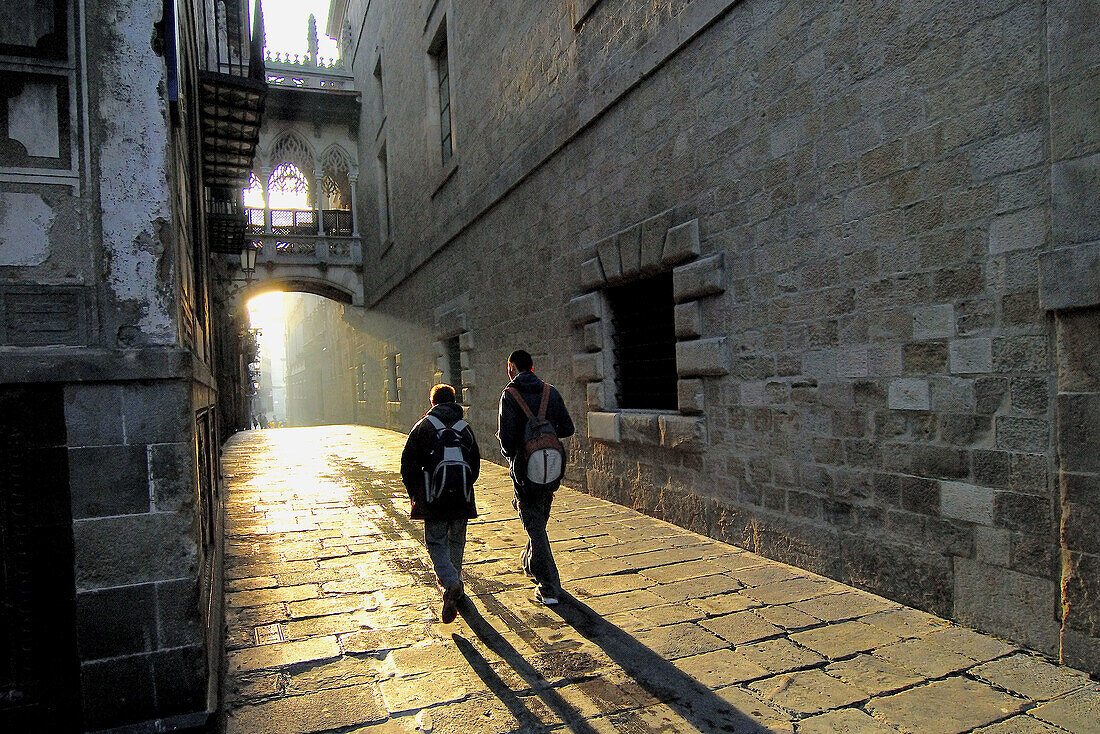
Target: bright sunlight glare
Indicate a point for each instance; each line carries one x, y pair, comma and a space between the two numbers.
265, 312
286, 23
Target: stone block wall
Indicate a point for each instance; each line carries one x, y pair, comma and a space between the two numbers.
867, 382
106, 317
141, 640
1069, 290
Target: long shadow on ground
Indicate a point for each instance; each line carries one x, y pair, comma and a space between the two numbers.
697, 704
530, 675
694, 702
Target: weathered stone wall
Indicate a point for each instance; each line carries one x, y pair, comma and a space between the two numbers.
1070, 289
867, 371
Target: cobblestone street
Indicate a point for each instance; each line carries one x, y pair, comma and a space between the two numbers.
332, 622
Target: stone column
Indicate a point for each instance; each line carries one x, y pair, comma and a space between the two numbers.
265, 178
318, 177
353, 179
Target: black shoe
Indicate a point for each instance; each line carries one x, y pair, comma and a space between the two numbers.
450, 603
546, 599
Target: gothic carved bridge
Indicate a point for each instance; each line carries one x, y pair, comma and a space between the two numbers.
299, 222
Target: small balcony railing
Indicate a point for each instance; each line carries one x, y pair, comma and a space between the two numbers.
334, 222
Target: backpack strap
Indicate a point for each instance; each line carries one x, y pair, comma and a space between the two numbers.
519, 399
545, 399
458, 426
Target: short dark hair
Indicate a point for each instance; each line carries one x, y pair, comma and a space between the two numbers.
442, 393
521, 360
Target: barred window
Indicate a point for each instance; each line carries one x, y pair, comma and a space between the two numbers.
442, 72
644, 343
393, 378
454, 366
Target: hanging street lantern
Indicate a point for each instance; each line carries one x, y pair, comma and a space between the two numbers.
248, 262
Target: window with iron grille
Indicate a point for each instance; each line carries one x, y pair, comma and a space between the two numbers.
393, 378
644, 343
441, 67
385, 215
361, 383
454, 366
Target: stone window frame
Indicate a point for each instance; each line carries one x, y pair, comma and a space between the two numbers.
393, 377
655, 245
450, 322
385, 201
437, 31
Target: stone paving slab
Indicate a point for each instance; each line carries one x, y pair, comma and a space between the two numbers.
332, 623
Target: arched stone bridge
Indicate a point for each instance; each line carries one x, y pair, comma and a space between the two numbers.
308, 145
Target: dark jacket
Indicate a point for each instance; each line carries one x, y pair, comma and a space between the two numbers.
417, 447
511, 420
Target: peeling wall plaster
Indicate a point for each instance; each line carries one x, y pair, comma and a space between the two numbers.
134, 190
25, 221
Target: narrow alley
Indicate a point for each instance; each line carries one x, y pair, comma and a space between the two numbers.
332, 622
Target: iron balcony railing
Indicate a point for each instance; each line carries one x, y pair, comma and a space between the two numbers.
334, 222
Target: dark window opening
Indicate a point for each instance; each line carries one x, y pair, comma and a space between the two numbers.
385, 215
439, 55
39, 667
393, 381
644, 343
361, 383
454, 366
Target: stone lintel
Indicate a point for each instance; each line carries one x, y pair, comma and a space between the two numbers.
591, 273
610, 260
681, 243
705, 277
685, 432
586, 308
639, 428
630, 256
588, 367
604, 427
451, 323
593, 336
652, 233
689, 396
703, 357
594, 393
689, 320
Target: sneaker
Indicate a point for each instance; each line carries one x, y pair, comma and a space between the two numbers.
545, 599
450, 603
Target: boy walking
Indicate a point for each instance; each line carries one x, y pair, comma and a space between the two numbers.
439, 466
531, 421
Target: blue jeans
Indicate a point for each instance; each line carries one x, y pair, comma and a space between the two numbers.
534, 512
446, 541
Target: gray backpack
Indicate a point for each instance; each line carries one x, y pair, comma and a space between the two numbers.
542, 448
448, 478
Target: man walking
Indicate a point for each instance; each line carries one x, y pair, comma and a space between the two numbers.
439, 466
531, 419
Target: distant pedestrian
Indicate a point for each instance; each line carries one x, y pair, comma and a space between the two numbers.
531, 421
439, 466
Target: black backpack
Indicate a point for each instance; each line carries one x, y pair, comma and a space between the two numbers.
542, 449
448, 478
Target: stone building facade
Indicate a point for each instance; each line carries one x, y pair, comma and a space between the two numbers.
861, 238
112, 351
